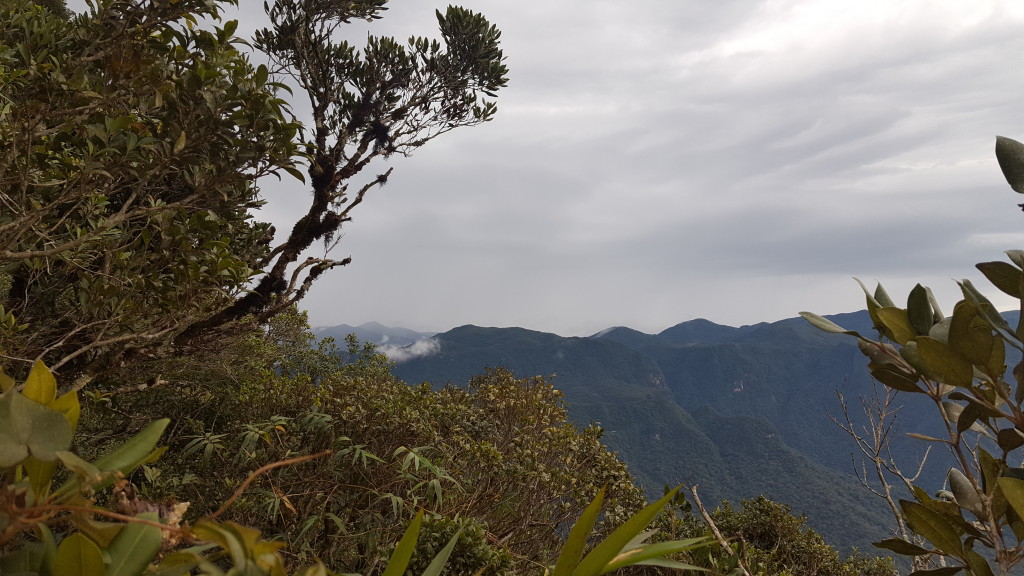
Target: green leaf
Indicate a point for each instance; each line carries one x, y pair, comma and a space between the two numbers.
39, 474
27, 428
1003, 276
1013, 490
944, 571
896, 379
901, 546
135, 547
296, 173
919, 310
645, 553
1010, 154
933, 526
68, 405
596, 562
1010, 439
572, 550
406, 546
179, 144
135, 451
882, 297
924, 437
827, 325
124, 459
944, 364
40, 386
990, 313
898, 323
990, 470
78, 556
978, 565
964, 492
971, 335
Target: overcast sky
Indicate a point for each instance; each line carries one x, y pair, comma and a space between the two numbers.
656, 161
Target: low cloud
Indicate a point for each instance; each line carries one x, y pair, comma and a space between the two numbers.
419, 349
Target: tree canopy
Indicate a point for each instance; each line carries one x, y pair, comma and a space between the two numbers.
135, 139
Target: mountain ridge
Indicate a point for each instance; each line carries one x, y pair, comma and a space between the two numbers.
739, 411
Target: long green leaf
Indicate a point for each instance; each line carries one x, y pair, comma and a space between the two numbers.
919, 310
647, 552
437, 564
901, 546
134, 547
124, 459
572, 551
822, 323
399, 560
944, 571
135, 451
597, 560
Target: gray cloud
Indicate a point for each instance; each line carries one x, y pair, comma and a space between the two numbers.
661, 160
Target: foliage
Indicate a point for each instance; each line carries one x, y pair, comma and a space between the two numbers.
647, 394
36, 430
959, 363
134, 138
770, 540
132, 143
498, 459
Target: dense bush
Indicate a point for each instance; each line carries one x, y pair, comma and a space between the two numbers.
498, 457
773, 541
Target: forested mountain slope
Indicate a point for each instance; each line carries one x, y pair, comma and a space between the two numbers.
738, 411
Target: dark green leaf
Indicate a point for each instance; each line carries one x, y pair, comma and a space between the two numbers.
1010, 439
900, 546
978, 565
919, 310
968, 416
933, 526
1003, 276
896, 379
1010, 154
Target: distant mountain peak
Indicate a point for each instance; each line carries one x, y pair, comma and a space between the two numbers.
374, 326
608, 331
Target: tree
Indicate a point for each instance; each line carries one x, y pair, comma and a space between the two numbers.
975, 523
134, 141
